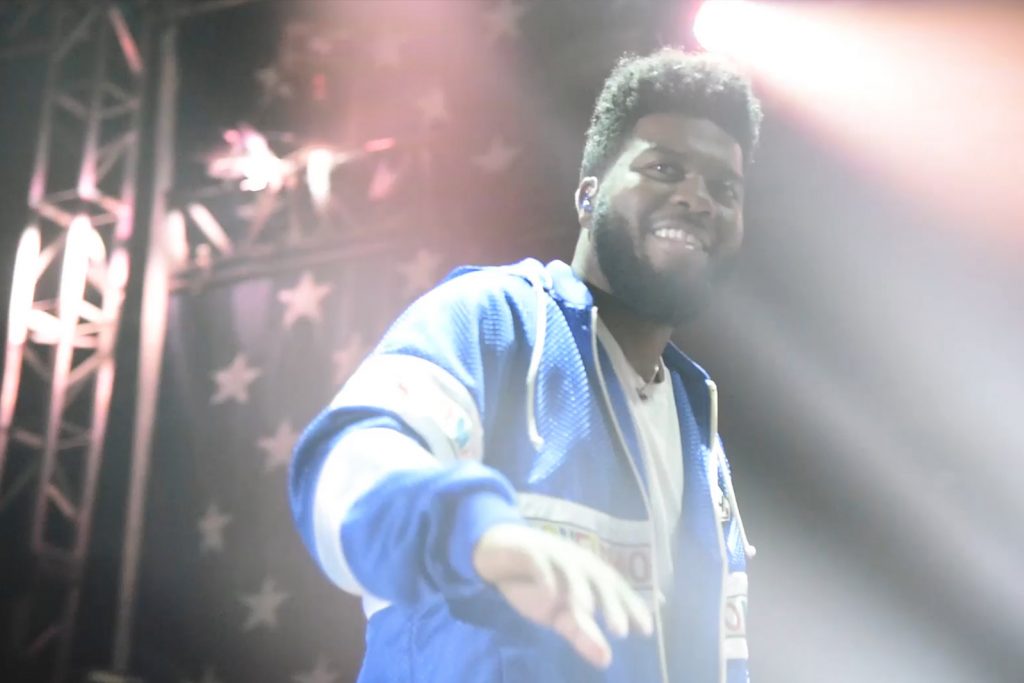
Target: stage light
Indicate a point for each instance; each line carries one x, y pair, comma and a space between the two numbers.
87, 183
885, 81
248, 158
26, 271
117, 271
725, 26
379, 145
80, 249
319, 164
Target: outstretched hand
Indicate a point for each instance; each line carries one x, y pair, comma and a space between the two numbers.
556, 584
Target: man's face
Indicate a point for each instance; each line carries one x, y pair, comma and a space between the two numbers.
668, 216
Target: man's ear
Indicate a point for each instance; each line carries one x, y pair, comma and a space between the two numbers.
585, 198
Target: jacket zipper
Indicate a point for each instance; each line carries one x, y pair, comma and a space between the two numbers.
658, 628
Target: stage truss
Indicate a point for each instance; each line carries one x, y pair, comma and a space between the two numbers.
65, 309
68, 289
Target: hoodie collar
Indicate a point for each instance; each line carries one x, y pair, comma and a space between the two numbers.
565, 286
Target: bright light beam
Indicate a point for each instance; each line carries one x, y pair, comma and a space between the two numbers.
922, 94
79, 251
319, 164
726, 27
26, 271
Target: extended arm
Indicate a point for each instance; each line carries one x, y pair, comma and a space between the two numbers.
392, 496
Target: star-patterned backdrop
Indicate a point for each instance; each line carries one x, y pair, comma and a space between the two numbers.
228, 594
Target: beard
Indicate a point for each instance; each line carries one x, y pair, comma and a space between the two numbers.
670, 297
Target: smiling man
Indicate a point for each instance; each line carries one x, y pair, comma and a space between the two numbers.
524, 481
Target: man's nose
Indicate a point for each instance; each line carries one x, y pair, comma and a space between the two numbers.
692, 192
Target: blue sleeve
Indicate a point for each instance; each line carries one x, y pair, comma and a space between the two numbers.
413, 534
433, 377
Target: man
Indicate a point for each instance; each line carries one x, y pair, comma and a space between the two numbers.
524, 480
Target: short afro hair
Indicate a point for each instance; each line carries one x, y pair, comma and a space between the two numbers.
669, 80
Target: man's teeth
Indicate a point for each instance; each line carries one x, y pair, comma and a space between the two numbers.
679, 236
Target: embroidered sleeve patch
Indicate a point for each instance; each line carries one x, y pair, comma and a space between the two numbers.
425, 396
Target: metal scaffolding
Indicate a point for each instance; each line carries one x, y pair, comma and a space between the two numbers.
70, 275
69, 283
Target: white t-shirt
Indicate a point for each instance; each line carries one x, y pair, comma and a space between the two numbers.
653, 407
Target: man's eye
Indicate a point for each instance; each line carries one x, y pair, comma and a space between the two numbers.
667, 170
724, 191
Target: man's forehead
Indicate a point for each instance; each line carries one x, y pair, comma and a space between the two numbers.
687, 136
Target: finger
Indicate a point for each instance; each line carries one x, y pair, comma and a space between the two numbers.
581, 631
612, 603
639, 613
577, 586
545, 577
635, 606
620, 604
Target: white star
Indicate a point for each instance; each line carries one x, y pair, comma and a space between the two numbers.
211, 527
497, 158
279, 446
234, 380
303, 300
420, 273
432, 106
502, 19
208, 677
346, 358
320, 674
263, 606
387, 50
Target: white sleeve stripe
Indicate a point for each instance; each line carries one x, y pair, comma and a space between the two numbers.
355, 465
426, 396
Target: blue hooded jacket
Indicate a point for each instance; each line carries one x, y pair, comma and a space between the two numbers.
497, 373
